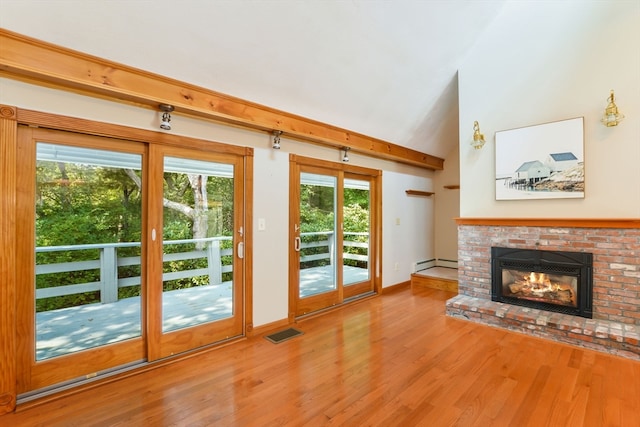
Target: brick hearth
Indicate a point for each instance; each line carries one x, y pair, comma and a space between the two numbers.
615, 327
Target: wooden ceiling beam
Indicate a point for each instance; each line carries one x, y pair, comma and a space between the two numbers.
46, 63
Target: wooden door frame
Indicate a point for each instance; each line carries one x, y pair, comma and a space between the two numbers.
357, 289
375, 245
164, 344
8, 260
10, 118
324, 299
37, 374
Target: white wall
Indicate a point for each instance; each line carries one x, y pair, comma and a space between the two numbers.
271, 188
270, 266
407, 225
547, 61
447, 208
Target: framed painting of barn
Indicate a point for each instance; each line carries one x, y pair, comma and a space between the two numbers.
543, 161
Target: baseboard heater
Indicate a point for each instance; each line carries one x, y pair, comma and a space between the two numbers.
419, 266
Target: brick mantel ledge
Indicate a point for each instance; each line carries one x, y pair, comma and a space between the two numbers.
554, 222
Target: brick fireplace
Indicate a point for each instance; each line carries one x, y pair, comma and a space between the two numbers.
615, 249
558, 281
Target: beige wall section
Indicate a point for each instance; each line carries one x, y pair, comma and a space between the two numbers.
447, 208
407, 225
271, 170
270, 246
561, 64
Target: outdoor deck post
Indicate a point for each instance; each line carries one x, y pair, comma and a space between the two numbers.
331, 242
108, 275
214, 262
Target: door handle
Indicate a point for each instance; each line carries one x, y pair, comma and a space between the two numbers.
296, 244
241, 250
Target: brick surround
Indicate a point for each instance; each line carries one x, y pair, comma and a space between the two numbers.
615, 327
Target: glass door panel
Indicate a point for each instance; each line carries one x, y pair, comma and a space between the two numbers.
317, 234
80, 302
356, 253
197, 285
88, 231
357, 227
196, 259
315, 256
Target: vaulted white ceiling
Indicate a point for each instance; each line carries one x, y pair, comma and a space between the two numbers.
387, 69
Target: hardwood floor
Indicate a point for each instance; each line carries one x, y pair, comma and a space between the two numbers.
395, 360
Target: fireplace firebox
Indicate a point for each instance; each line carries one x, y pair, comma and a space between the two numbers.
547, 280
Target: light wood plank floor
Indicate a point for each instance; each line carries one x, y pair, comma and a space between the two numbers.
395, 360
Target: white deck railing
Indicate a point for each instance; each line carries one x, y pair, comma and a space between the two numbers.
108, 262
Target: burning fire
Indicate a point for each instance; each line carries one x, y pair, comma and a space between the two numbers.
540, 287
540, 283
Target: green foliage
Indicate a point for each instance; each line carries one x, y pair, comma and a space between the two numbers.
356, 220
317, 216
316, 208
78, 204
81, 204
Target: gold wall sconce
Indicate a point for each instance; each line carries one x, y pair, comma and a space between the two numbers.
611, 115
478, 138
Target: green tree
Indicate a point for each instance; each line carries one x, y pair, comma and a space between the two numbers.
82, 204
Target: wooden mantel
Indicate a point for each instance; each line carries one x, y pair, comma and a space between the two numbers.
39, 62
553, 222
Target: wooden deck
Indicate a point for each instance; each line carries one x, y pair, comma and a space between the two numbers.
74, 329
394, 360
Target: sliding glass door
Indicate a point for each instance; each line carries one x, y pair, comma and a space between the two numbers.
81, 299
197, 246
130, 252
333, 243
317, 241
357, 247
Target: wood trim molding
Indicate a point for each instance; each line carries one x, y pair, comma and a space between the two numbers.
91, 127
396, 287
8, 154
344, 167
8, 112
49, 64
553, 222
269, 327
248, 242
